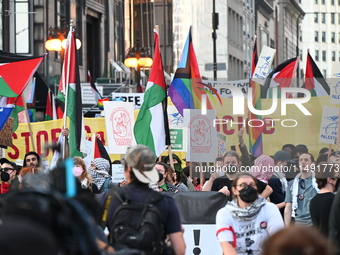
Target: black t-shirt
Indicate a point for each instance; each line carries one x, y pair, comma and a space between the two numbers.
168, 209
320, 209
222, 181
278, 195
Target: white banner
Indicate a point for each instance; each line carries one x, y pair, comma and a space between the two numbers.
220, 86
263, 65
87, 95
135, 98
202, 237
119, 121
329, 125
335, 83
202, 137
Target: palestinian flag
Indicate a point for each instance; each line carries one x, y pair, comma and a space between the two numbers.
16, 75
99, 151
281, 77
70, 85
94, 89
151, 127
49, 107
314, 80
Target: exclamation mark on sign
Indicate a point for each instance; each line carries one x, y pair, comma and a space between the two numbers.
197, 250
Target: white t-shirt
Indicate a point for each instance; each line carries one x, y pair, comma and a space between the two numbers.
251, 234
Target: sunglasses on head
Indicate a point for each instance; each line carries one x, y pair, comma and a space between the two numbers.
5, 169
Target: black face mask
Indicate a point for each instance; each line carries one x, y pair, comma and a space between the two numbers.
160, 177
4, 176
248, 194
232, 169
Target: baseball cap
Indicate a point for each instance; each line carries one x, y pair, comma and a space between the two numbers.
5, 160
142, 161
283, 156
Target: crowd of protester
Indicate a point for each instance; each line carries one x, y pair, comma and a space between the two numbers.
285, 203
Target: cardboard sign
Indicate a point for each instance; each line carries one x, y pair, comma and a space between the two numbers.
221, 144
329, 125
6, 133
119, 120
263, 65
202, 144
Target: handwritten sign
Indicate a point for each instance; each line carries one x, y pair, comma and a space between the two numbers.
263, 65
335, 83
329, 125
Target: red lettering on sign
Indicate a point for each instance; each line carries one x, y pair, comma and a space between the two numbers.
15, 153
27, 141
40, 148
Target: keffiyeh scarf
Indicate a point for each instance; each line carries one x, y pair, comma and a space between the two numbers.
295, 191
99, 176
248, 213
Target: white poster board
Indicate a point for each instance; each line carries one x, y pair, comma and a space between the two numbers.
202, 136
119, 121
264, 64
335, 83
117, 173
329, 125
202, 237
174, 117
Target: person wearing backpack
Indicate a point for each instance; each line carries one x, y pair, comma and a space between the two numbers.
138, 217
99, 171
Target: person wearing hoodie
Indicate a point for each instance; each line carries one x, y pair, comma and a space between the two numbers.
248, 220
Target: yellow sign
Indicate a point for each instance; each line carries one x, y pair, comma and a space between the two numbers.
294, 128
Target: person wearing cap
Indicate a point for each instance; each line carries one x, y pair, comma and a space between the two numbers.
8, 172
139, 171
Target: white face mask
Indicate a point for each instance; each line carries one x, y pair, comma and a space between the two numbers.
77, 171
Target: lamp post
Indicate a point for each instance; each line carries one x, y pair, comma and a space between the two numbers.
138, 57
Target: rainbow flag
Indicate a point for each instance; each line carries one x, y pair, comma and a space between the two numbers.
186, 89
255, 133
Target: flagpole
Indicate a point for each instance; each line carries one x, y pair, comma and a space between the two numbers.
170, 157
67, 80
28, 123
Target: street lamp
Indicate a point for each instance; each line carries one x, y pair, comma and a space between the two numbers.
138, 57
56, 40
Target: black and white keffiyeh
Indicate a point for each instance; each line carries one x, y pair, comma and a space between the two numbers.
248, 213
99, 176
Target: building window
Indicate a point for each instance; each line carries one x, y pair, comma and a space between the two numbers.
22, 27
316, 36
324, 73
323, 2
316, 18
323, 18
332, 2
316, 1
333, 55
333, 37
316, 55
324, 55
333, 18
323, 37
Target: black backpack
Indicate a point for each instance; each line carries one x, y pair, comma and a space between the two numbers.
67, 219
137, 225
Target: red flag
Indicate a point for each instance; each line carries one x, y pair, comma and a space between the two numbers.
99, 151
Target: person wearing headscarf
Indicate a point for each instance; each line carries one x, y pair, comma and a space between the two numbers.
99, 171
